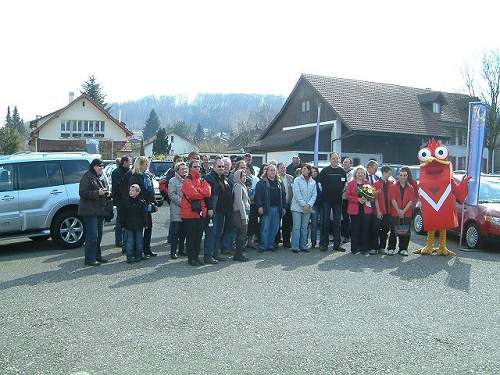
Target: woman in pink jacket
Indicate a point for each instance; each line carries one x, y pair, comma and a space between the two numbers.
358, 209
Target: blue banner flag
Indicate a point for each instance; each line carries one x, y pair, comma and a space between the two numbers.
477, 131
316, 140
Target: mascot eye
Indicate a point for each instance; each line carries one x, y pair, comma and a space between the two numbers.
441, 152
424, 154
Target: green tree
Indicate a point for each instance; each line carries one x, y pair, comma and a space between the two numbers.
10, 140
8, 119
199, 135
152, 125
93, 89
18, 123
161, 145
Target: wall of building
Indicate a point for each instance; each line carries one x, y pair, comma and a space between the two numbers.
52, 130
180, 145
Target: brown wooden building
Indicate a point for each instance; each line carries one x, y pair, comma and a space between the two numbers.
365, 120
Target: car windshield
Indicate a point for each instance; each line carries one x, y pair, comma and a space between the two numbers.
489, 191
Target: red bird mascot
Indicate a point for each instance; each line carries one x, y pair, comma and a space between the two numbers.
438, 195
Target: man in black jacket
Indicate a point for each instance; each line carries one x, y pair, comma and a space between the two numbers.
220, 207
116, 180
333, 180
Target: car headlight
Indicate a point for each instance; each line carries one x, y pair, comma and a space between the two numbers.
495, 220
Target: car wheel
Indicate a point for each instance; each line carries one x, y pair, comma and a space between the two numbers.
472, 236
39, 238
67, 229
418, 223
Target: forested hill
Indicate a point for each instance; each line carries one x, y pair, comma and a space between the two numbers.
212, 111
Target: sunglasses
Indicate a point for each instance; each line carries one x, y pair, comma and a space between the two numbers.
196, 167
219, 166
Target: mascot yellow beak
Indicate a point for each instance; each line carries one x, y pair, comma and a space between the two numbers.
431, 159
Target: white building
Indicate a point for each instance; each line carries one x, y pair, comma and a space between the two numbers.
180, 145
80, 122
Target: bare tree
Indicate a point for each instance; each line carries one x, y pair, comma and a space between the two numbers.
488, 89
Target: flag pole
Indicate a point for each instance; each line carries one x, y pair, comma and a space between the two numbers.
316, 140
466, 173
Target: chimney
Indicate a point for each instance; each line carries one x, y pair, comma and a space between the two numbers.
71, 96
120, 115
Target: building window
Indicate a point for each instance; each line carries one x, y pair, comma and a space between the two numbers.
436, 107
306, 106
65, 129
82, 128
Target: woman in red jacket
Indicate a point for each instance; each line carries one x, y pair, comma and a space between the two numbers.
402, 202
358, 209
193, 209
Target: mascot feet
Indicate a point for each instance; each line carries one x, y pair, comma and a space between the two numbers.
427, 250
443, 250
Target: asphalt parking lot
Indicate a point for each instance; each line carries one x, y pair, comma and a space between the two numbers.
279, 313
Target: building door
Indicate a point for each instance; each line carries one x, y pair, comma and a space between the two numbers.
10, 220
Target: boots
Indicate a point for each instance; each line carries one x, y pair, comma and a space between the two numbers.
238, 255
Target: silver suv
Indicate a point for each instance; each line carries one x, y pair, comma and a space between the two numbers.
39, 196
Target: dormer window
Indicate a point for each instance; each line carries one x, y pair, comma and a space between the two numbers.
436, 107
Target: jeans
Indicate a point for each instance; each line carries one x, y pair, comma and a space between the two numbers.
213, 235
176, 237
315, 221
345, 228
241, 233
299, 231
134, 243
193, 228
119, 231
269, 226
229, 236
325, 223
93, 236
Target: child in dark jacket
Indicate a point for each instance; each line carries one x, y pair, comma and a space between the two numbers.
134, 220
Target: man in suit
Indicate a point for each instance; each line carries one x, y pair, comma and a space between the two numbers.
373, 226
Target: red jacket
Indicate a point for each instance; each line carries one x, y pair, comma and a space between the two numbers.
379, 185
408, 196
194, 189
352, 197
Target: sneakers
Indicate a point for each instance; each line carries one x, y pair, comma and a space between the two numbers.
390, 252
404, 253
383, 251
373, 252
210, 260
295, 250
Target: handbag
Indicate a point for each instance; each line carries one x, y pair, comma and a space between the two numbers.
401, 228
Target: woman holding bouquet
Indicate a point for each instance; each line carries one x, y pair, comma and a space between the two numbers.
359, 195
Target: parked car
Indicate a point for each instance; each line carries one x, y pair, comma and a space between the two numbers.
108, 170
159, 167
39, 196
481, 222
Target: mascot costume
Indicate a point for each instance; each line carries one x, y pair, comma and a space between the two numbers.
438, 195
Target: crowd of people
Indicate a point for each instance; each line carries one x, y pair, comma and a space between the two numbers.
236, 209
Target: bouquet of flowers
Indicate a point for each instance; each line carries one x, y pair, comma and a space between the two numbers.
367, 191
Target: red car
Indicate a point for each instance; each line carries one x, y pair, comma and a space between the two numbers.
481, 222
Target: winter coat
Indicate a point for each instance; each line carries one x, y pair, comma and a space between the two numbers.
241, 202
116, 179
220, 198
332, 181
194, 189
133, 213
138, 178
175, 194
263, 196
91, 203
352, 197
304, 192
288, 188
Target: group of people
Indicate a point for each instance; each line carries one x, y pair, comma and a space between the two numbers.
235, 209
